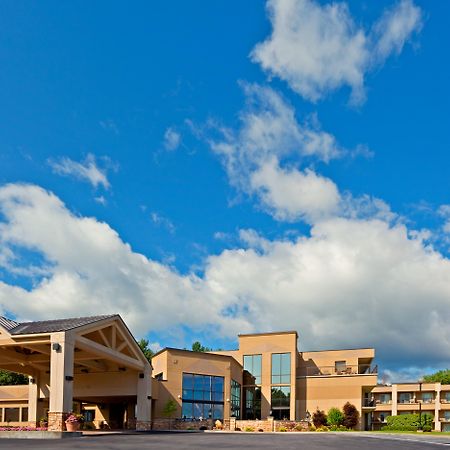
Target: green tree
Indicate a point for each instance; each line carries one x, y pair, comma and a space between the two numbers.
169, 409
148, 353
11, 378
198, 347
335, 417
351, 416
443, 376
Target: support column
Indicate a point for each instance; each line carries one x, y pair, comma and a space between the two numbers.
394, 400
61, 380
33, 397
144, 400
437, 407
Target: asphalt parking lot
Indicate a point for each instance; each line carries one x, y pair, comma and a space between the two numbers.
273, 441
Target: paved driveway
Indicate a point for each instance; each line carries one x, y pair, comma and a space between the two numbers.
216, 441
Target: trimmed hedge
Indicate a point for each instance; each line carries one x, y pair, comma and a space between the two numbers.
407, 422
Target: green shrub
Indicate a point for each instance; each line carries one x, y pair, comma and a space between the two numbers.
319, 418
427, 428
323, 428
338, 428
407, 422
282, 429
249, 429
335, 417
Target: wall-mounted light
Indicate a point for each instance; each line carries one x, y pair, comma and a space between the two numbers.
141, 375
179, 396
56, 347
228, 400
69, 378
149, 397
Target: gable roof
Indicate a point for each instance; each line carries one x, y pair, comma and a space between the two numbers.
49, 326
8, 324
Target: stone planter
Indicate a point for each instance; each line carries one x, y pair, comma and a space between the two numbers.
72, 426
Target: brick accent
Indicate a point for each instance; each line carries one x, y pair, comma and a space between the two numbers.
177, 424
56, 421
291, 425
143, 425
256, 425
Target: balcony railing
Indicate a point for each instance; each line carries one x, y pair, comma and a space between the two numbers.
361, 369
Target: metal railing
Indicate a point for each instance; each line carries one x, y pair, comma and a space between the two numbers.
361, 369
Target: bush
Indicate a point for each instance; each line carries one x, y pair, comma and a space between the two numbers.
335, 417
407, 422
338, 428
427, 428
282, 429
323, 428
319, 418
248, 429
351, 416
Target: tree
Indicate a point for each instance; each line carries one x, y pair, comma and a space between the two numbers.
169, 409
443, 376
148, 353
198, 347
319, 418
11, 378
335, 417
351, 416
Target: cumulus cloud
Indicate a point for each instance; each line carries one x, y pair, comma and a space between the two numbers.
87, 170
319, 48
350, 282
271, 157
172, 139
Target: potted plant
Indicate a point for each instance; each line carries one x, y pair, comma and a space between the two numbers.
43, 422
73, 422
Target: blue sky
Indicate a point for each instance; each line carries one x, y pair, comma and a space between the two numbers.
204, 169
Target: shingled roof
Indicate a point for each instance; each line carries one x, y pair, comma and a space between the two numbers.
49, 326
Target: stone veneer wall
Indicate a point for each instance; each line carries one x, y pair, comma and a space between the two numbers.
177, 424
56, 421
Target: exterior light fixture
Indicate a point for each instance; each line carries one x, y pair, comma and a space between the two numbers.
56, 347
179, 396
141, 375
69, 378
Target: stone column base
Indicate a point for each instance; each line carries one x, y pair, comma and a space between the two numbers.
56, 421
143, 425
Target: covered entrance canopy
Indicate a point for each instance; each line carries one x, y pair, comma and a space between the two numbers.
89, 359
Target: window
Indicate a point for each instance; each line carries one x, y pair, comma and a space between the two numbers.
447, 415
427, 397
24, 415
281, 368
202, 396
445, 396
89, 415
340, 366
12, 414
405, 397
281, 402
252, 365
384, 399
252, 402
235, 399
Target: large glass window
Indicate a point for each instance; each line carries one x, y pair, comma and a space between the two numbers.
12, 414
202, 396
281, 402
252, 403
252, 366
235, 399
384, 398
281, 368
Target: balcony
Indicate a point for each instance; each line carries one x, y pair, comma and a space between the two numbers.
361, 369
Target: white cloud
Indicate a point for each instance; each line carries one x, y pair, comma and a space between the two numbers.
162, 221
444, 211
266, 158
318, 48
172, 139
288, 194
88, 170
350, 282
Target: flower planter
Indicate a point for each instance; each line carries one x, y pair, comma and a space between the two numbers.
72, 426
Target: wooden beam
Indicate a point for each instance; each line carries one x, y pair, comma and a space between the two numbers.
102, 335
113, 337
108, 353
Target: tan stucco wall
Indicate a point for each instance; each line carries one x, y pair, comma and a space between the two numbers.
173, 363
